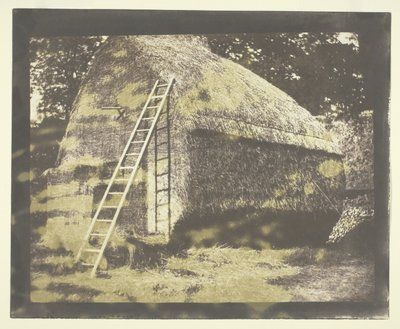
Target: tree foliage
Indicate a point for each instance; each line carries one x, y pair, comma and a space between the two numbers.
58, 65
44, 143
320, 71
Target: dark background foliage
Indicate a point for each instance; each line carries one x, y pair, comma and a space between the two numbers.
318, 70
58, 66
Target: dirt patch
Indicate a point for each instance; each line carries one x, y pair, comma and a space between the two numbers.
191, 290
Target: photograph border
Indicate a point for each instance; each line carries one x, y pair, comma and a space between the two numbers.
29, 23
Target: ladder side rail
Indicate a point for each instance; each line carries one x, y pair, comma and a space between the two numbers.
169, 164
121, 159
131, 178
155, 178
139, 120
111, 182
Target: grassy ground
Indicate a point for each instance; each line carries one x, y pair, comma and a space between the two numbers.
211, 275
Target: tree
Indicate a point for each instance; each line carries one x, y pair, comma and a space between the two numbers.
58, 66
321, 71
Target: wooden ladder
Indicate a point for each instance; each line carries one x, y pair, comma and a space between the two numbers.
140, 137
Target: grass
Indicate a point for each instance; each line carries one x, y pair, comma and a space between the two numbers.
215, 275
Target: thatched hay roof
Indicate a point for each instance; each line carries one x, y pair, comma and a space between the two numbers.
210, 92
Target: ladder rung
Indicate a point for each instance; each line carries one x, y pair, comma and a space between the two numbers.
162, 204
163, 174
143, 130
161, 128
152, 107
158, 96
161, 159
104, 220
110, 207
124, 168
163, 190
98, 234
92, 250
86, 264
121, 179
115, 192
149, 118
162, 143
163, 85
137, 142
130, 154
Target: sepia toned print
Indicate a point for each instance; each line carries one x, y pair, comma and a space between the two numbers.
201, 169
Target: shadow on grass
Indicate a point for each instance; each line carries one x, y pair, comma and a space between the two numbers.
73, 293
255, 229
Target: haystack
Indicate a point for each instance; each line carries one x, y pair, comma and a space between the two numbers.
243, 154
355, 228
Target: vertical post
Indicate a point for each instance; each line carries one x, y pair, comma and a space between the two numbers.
169, 165
155, 178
